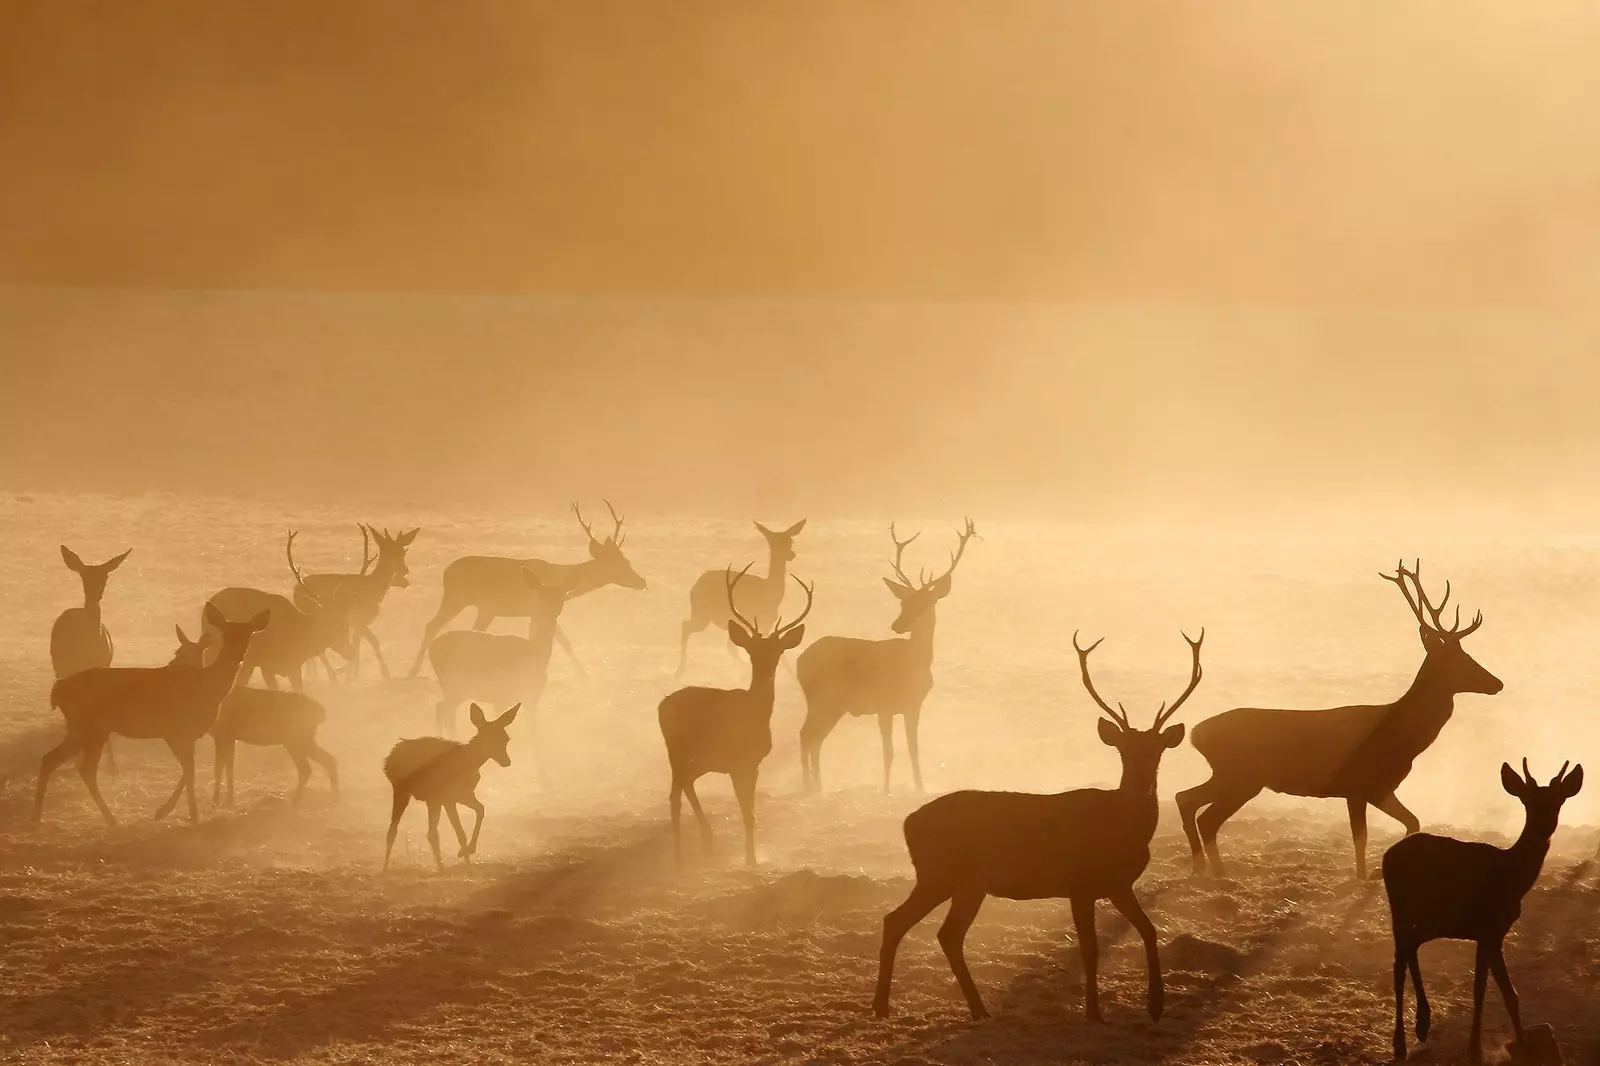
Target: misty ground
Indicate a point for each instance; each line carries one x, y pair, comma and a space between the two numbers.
269, 934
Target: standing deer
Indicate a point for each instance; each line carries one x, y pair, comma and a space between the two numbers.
758, 596
443, 773
498, 668
888, 678
727, 731
263, 718
360, 596
1360, 754
494, 585
294, 637
176, 703
1442, 888
80, 640
1085, 845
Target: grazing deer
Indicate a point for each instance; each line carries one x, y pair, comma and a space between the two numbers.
294, 637
757, 595
176, 703
443, 773
494, 585
1442, 888
1360, 754
359, 596
263, 718
498, 668
727, 731
80, 640
1085, 845
888, 678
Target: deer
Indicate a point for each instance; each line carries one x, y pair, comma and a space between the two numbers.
1360, 754
1085, 845
727, 731
888, 678
757, 596
498, 668
443, 773
495, 588
360, 596
263, 718
177, 703
79, 640
295, 636
1440, 888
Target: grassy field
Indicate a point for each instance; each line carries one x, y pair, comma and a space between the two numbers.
265, 934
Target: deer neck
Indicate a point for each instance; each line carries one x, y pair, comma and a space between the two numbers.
1138, 790
542, 635
578, 578
1526, 856
777, 568
920, 639
224, 670
762, 689
1430, 696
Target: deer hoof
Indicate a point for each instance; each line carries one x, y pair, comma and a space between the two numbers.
980, 1013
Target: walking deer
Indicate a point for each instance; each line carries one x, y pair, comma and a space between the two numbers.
1085, 845
443, 773
727, 731
294, 637
262, 718
498, 668
79, 640
887, 678
359, 597
1442, 888
758, 596
1360, 754
495, 588
176, 703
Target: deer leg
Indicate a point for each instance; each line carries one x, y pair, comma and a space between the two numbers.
217, 758
1358, 833
1480, 982
435, 808
69, 746
88, 769
1190, 800
184, 753
566, 646
913, 717
952, 937
896, 924
685, 631
302, 769
675, 809
111, 760
228, 767
886, 735
461, 834
744, 789
401, 801
472, 804
700, 816
268, 678
1399, 1002
1424, 1014
329, 764
1128, 904
1508, 993
1395, 809
813, 731
297, 678
1221, 809
444, 713
377, 653
327, 668
533, 748
1089, 948
448, 609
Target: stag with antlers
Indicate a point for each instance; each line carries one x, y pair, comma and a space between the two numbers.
1359, 754
359, 596
888, 678
496, 588
1085, 845
757, 595
727, 731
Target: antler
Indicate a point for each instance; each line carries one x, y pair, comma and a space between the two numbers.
779, 627
961, 549
900, 547
1119, 716
1165, 713
616, 525
366, 546
1429, 616
731, 580
299, 579
588, 529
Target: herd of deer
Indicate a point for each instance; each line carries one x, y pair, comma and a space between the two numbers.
1084, 845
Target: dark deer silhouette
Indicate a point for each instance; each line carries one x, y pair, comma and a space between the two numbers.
1085, 845
758, 596
176, 703
888, 678
443, 773
80, 640
495, 588
727, 731
1360, 754
1442, 888
359, 597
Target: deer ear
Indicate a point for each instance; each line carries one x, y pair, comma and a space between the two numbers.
182, 639
1109, 733
213, 616
793, 638
1572, 782
1511, 781
405, 539
1430, 639
70, 557
765, 532
1172, 736
595, 548
941, 588
476, 714
739, 634
509, 717
259, 622
112, 564
901, 592
794, 530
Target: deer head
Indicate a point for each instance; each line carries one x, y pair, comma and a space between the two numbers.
190, 652
1141, 749
613, 564
235, 635
918, 597
781, 541
1445, 658
490, 738
93, 577
1542, 802
765, 651
330, 623
391, 553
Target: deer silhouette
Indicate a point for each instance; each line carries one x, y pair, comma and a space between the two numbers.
79, 640
443, 773
758, 596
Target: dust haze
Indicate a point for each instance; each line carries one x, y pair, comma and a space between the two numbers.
1204, 316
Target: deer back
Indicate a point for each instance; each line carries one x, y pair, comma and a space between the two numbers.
491, 666
862, 672
165, 702
267, 716
292, 636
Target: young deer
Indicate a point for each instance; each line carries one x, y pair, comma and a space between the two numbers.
1441, 888
294, 637
494, 585
498, 668
175, 703
758, 596
886, 678
1085, 845
443, 773
727, 731
1360, 754
359, 596
263, 718
80, 640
